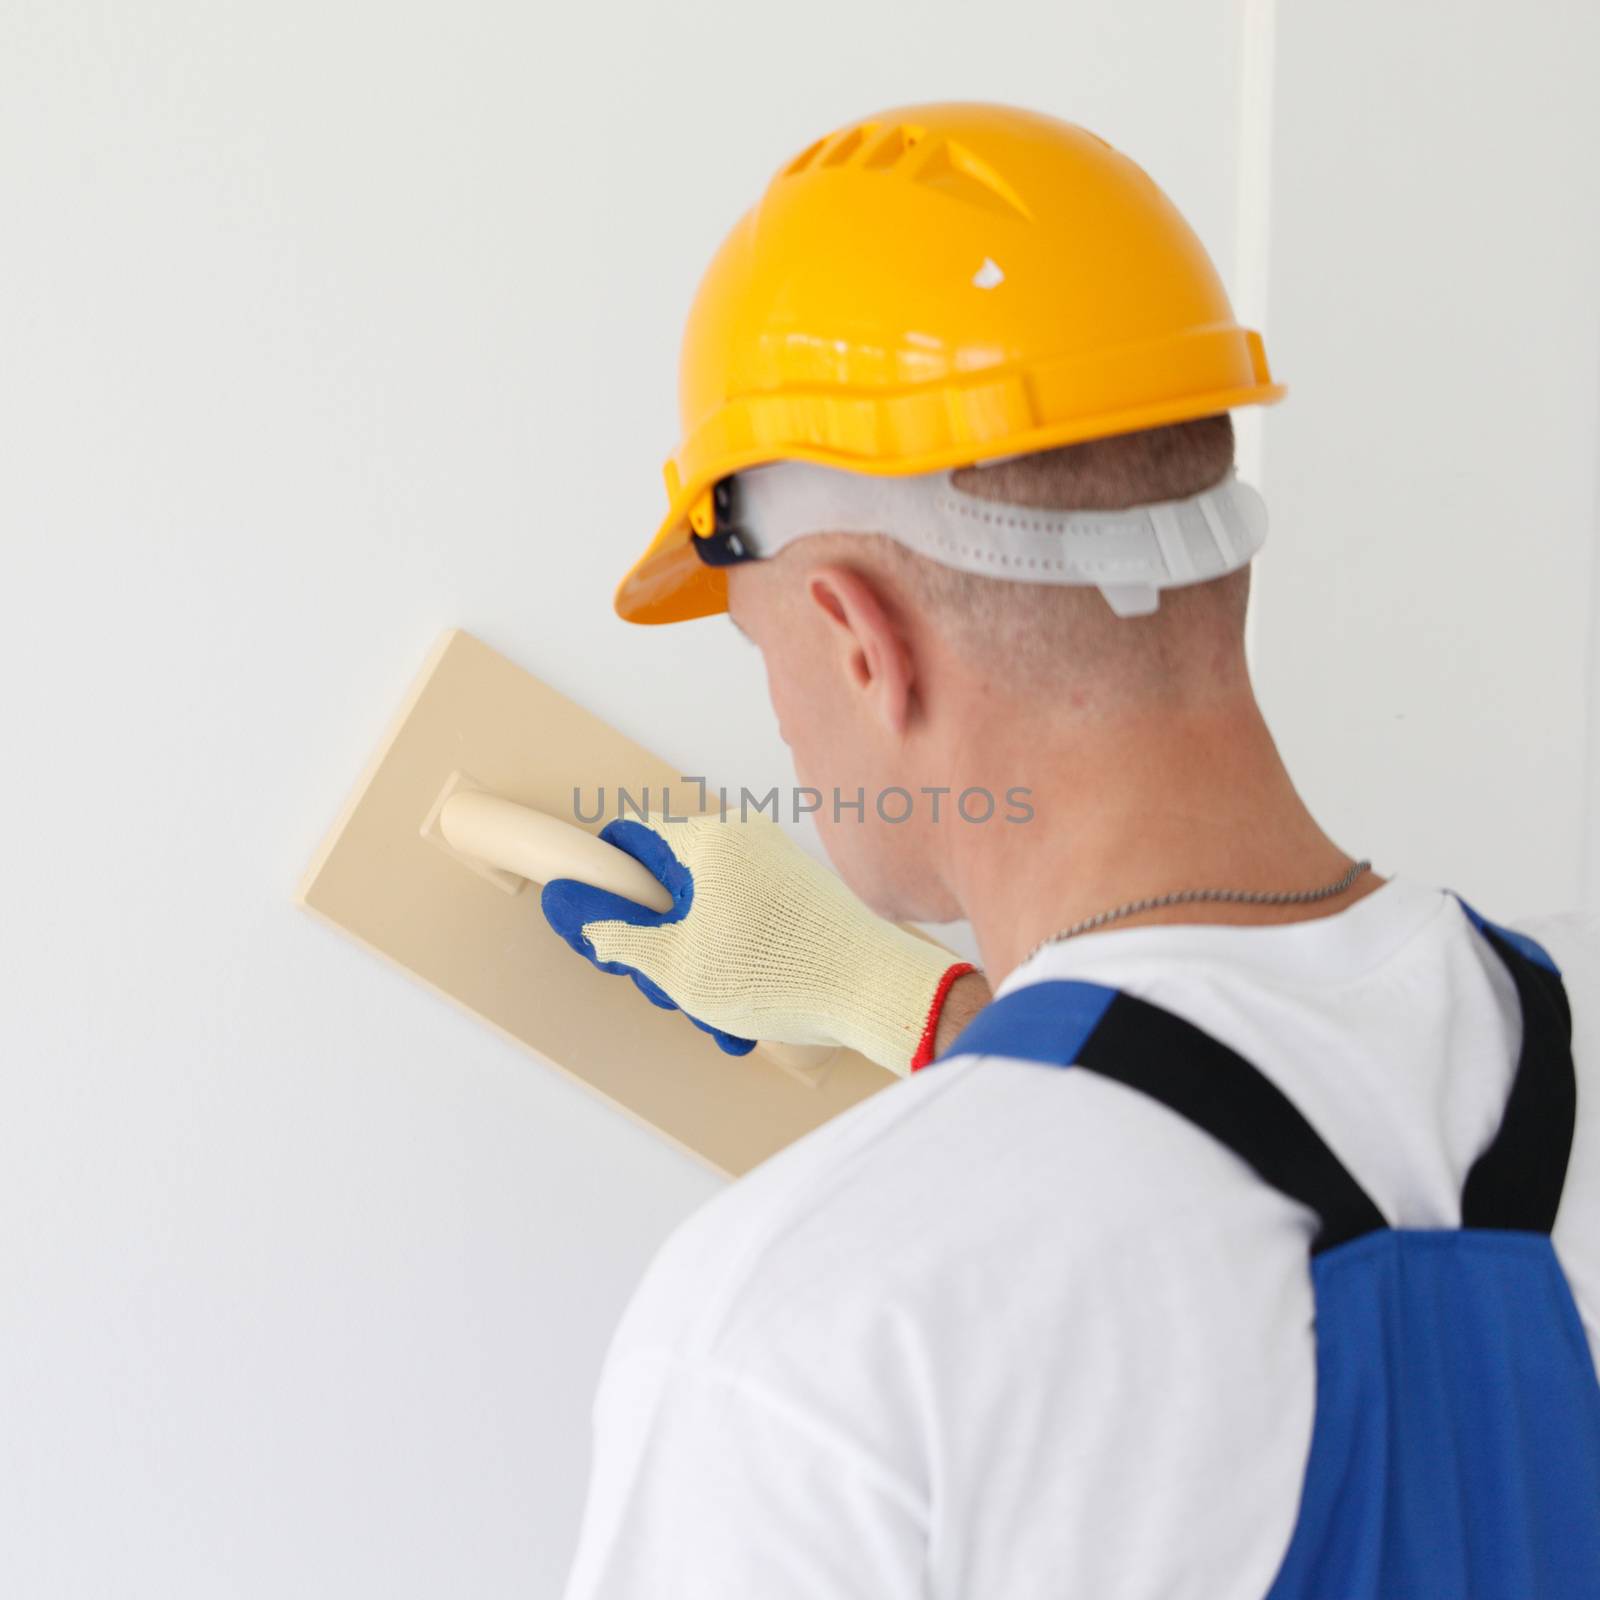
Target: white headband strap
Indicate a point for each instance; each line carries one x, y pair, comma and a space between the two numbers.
1129, 555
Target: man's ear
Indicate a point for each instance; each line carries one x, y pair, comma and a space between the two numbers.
872, 646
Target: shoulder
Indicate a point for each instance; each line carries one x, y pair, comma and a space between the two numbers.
983, 1261
879, 1216
778, 1211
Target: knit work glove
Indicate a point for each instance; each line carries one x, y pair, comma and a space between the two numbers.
761, 943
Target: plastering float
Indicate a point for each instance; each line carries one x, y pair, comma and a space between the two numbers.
434, 863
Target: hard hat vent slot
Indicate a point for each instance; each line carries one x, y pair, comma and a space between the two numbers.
897, 143
804, 159
957, 172
847, 146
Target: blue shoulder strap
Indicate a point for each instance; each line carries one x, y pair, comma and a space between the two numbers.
1515, 1184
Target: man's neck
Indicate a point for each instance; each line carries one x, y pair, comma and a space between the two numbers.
1139, 806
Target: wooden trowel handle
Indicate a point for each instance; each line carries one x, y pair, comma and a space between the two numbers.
535, 845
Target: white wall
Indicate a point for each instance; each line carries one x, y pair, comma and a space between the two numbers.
1429, 607
323, 327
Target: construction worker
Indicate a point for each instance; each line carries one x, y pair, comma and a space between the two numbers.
1246, 1242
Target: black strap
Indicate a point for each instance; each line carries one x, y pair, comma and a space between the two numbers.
1517, 1182
1138, 1044
1169, 1059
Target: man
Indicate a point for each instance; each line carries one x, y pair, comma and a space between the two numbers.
1248, 1241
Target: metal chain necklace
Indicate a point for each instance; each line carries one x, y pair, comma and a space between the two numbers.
1267, 897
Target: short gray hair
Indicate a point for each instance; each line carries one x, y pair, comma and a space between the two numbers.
1053, 632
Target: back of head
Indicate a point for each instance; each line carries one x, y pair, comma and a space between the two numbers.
927, 309
1043, 638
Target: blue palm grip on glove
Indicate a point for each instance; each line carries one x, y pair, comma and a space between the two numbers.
569, 906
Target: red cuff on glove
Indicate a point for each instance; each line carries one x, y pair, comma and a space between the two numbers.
924, 1051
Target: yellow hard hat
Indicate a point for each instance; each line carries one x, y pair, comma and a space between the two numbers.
931, 287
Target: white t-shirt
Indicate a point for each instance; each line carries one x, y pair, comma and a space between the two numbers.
1005, 1331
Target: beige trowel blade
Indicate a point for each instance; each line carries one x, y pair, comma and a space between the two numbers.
386, 877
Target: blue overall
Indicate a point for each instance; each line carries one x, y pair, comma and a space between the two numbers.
1455, 1453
